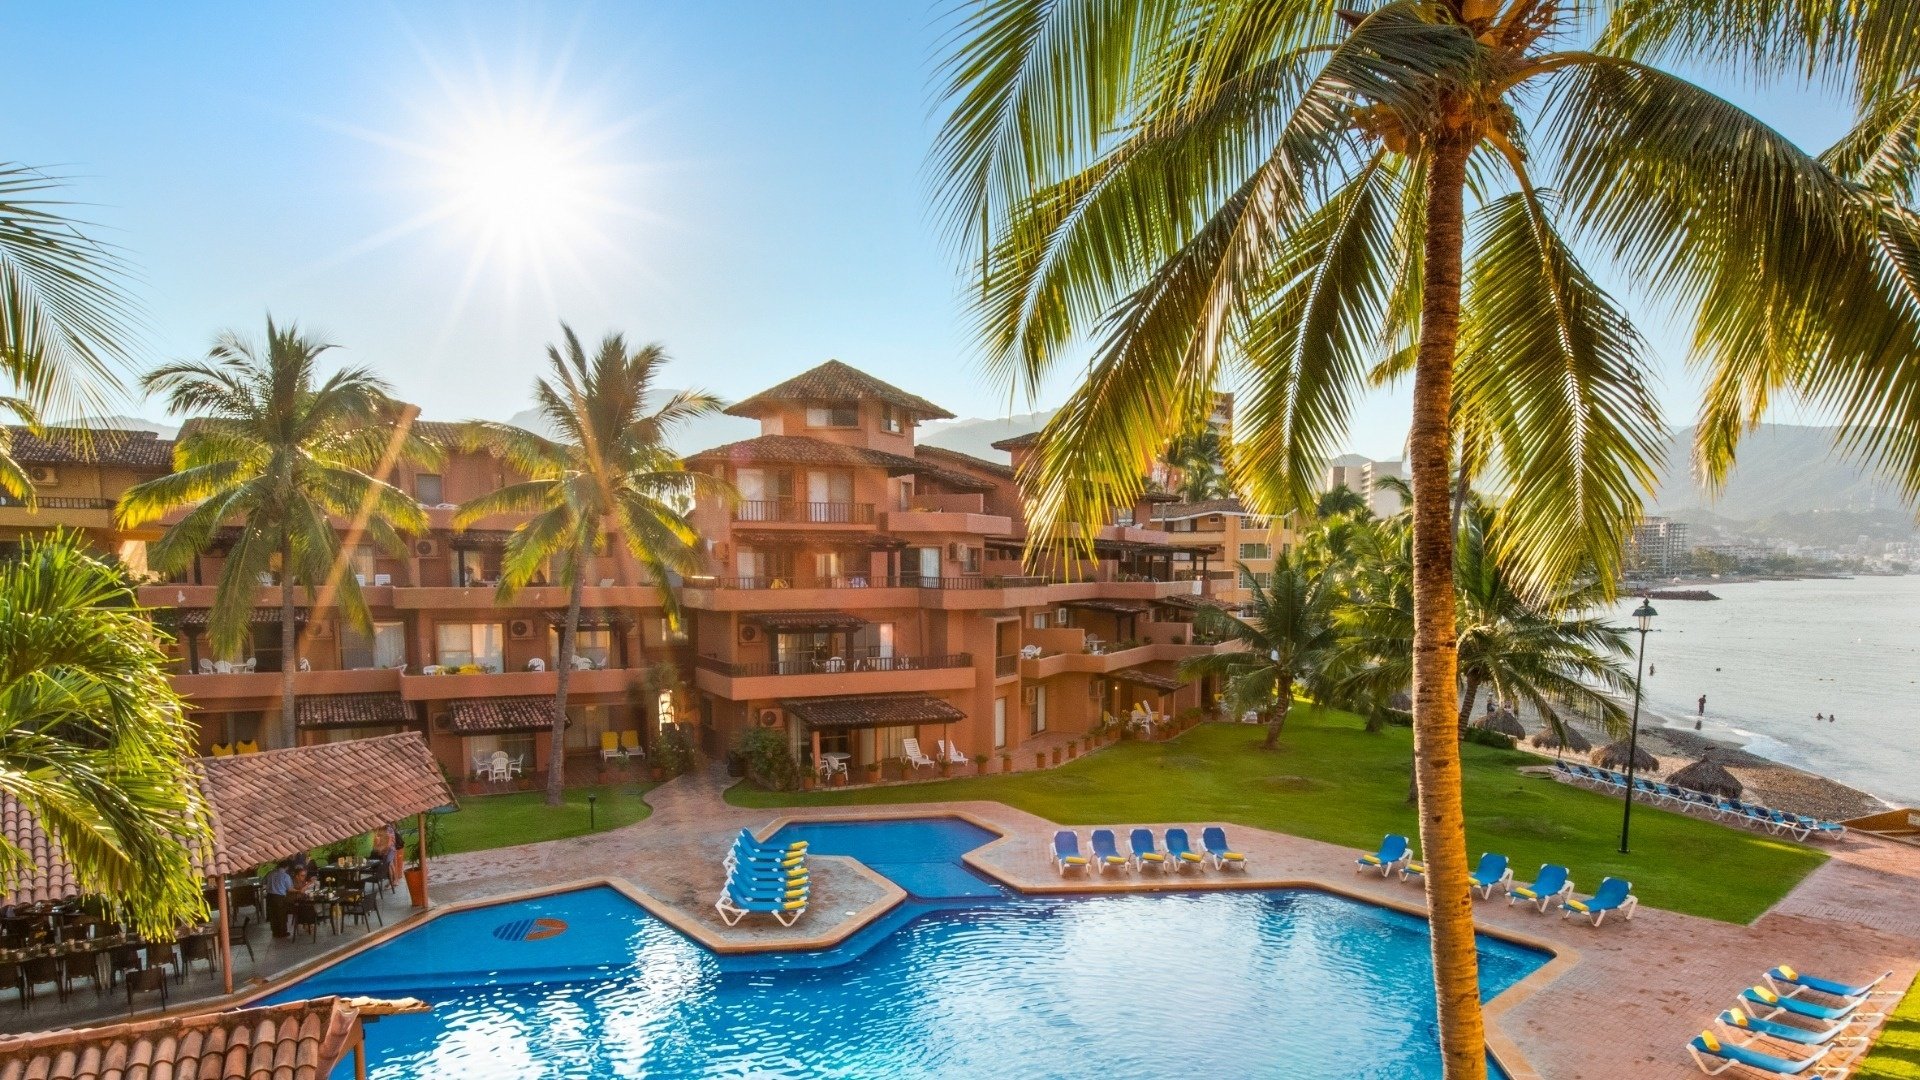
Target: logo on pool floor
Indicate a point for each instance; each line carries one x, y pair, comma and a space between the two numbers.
530, 929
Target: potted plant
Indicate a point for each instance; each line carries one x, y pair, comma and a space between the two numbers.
873, 772
1006, 763
980, 764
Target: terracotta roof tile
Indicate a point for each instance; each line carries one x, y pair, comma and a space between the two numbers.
806, 620
1180, 510
1017, 442
802, 450
351, 710
104, 446
836, 382
964, 461
47, 876
873, 710
1160, 681
297, 1040
498, 715
274, 803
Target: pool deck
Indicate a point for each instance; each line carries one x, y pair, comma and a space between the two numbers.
1619, 1000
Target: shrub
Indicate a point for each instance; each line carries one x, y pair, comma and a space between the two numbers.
769, 762
1490, 738
674, 752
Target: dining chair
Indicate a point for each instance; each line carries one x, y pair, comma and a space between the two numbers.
146, 981
515, 767
46, 969
85, 962
237, 936
12, 974
366, 905
123, 960
306, 916
198, 947
162, 953
500, 766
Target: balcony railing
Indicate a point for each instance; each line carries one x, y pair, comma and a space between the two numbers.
873, 581
59, 502
834, 665
1004, 666
792, 511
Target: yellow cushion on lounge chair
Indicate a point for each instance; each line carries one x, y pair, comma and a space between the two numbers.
1189, 856
1115, 859
1416, 868
1153, 856
1766, 995
1076, 860
1707, 1040
1788, 973
1370, 860
609, 741
1577, 905
1522, 890
1233, 856
793, 904
1738, 1017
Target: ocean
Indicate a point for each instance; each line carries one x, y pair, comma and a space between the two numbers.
1768, 655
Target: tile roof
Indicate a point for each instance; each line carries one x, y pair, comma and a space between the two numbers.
1189, 602
104, 446
351, 710
46, 875
498, 715
590, 618
803, 450
964, 461
201, 617
1160, 681
807, 620
872, 710
296, 1040
1178, 511
271, 804
836, 382
1112, 607
1017, 442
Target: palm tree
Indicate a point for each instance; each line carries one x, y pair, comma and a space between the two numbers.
606, 472
94, 743
1275, 192
63, 319
282, 453
1287, 636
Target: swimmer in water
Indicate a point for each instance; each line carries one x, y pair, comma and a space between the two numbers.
1818, 717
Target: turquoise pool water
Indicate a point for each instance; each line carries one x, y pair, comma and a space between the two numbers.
966, 981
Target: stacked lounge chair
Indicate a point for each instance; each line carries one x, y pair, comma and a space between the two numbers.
762, 878
1798, 826
1778, 1032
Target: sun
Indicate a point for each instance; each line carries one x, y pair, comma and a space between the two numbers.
519, 184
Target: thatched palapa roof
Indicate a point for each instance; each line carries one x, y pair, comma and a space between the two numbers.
1708, 776
1502, 721
1614, 756
1548, 738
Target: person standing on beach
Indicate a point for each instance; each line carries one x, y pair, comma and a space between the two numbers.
1703, 704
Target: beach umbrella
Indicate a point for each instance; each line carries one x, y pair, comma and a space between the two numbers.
1549, 739
1503, 722
1614, 756
1707, 776
1402, 701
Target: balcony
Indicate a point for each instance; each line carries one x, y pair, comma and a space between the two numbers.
211, 691
1006, 666
1105, 659
948, 521
446, 598
794, 512
516, 684
757, 680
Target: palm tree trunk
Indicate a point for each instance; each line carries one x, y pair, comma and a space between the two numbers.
1436, 744
557, 743
1466, 703
1280, 713
289, 646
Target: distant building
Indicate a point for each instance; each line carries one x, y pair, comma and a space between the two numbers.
1658, 546
1363, 476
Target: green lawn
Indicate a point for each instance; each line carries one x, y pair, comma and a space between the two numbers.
1896, 1055
1331, 780
491, 821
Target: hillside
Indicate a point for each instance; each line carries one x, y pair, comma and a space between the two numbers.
1783, 470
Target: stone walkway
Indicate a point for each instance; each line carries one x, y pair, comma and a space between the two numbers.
1620, 1000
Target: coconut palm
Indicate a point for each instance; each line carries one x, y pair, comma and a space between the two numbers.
1274, 194
282, 453
63, 319
94, 743
606, 472
1287, 635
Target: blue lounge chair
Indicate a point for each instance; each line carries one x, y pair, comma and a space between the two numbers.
1767, 1004
1106, 852
1547, 886
767, 890
1492, 873
1393, 855
1715, 1057
1066, 852
1614, 894
1791, 983
1754, 1027
1180, 853
734, 905
1826, 830
1214, 839
1145, 854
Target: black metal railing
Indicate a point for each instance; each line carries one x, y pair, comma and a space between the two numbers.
872, 581
1004, 666
853, 661
59, 502
763, 511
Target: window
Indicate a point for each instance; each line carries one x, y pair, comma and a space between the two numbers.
970, 560
665, 708
670, 632
426, 488
386, 648
1250, 521
1039, 620
461, 644
892, 420
833, 416
999, 722
596, 644
1256, 551
1038, 711
266, 648
1248, 581
362, 561
1060, 617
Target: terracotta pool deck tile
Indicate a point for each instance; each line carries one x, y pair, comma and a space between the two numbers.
1622, 1000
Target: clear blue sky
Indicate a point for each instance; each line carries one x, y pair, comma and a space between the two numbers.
746, 184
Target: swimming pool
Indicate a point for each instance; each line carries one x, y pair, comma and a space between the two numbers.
981, 984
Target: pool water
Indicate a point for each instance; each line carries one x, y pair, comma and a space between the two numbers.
1283, 983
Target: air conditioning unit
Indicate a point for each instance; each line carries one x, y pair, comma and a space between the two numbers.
426, 547
520, 629
44, 476
769, 717
749, 633
320, 631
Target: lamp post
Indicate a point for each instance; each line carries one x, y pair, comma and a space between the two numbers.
591, 799
1643, 617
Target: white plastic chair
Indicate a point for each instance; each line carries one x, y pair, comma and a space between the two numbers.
206, 666
222, 667
1029, 652
482, 765
951, 753
514, 766
536, 664
582, 663
910, 749
834, 664
383, 579
252, 664
501, 766
606, 582
306, 664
